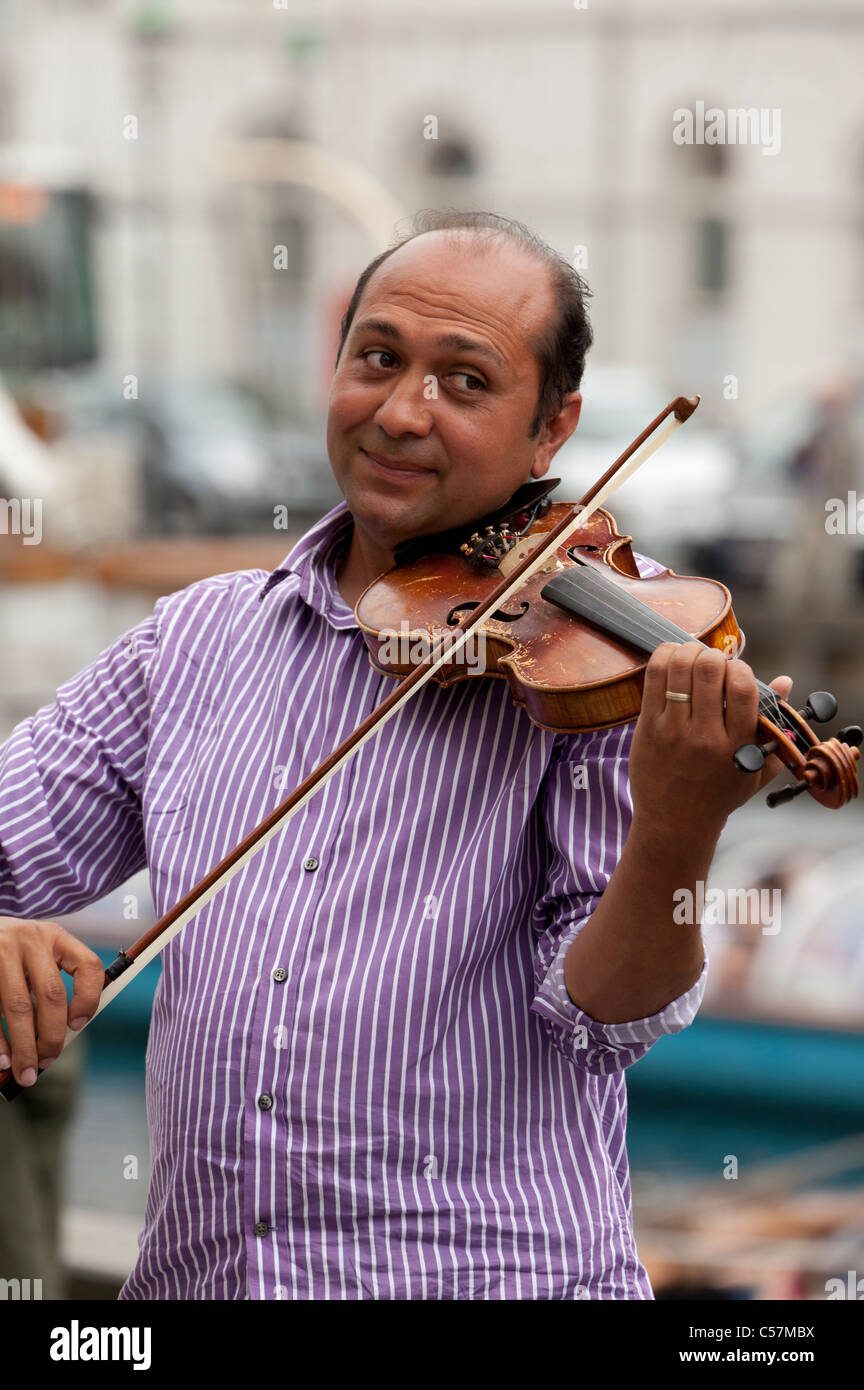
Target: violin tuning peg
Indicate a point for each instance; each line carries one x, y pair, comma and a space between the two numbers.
465, 548
749, 758
821, 707
786, 793
853, 734
489, 530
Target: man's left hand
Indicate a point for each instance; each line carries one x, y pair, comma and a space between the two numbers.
681, 760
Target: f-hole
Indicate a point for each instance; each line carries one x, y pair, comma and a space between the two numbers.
453, 619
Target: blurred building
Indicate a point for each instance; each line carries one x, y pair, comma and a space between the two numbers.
708, 261
188, 190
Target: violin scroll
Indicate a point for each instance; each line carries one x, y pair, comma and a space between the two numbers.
827, 770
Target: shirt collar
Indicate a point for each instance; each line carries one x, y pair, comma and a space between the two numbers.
314, 560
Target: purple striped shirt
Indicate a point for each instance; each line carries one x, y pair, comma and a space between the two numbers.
365, 1077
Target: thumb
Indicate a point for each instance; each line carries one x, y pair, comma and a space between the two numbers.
781, 685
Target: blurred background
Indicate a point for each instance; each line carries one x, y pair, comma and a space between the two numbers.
188, 191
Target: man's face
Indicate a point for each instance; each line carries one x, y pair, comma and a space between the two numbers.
437, 385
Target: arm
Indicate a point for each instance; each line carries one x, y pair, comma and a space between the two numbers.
70, 831
631, 959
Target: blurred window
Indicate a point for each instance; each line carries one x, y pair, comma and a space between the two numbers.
451, 158
713, 255
47, 312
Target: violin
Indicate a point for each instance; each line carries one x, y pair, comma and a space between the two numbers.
573, 649
575, 646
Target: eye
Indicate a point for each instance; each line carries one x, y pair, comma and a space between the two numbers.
480, 384
377, 352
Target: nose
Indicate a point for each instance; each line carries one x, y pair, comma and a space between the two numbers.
405, 409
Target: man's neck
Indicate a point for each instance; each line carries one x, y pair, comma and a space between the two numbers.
362, 563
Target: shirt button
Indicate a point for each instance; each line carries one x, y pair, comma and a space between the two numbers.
261, 1228
310, 864
265, 1101
280, 974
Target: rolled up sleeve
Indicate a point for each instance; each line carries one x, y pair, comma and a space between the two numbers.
587, 810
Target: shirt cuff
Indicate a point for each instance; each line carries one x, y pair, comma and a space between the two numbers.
607, 1047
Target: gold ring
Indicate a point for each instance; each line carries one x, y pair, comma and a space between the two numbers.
676, 695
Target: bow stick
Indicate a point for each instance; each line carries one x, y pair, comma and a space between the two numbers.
131, 962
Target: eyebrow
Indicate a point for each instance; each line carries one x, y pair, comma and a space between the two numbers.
445, 340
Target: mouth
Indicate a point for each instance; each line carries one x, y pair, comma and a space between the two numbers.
396, 468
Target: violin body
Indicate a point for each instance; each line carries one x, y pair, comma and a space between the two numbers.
576, 631
570, 675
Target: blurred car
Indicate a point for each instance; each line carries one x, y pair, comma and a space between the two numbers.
674, 502
800, 452
211, 457
757, 514
213, 460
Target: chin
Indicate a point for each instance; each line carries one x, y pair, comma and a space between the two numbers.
390, 520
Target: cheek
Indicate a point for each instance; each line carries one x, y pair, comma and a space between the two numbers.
349, 405
475, 439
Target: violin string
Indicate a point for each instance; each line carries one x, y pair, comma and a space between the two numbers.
594, 596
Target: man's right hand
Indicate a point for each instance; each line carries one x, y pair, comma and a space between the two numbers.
33, 995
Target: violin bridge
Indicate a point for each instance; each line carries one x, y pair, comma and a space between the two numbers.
524, 548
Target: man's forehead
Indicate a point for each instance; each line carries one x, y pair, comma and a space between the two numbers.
463, 255
495, 283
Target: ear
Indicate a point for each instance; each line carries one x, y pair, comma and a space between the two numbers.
555, 431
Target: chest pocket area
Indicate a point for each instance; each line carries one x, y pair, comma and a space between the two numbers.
176, 758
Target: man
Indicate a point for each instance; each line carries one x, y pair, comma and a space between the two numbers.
388, 1060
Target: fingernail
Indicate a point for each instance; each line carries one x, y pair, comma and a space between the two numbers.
4, 1061
77, 1023
28, 1077
49, 1062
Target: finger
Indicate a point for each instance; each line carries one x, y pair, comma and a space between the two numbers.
679, 679
708, 678
654, 689
88, 974
49, 993
742, 703
17, 1008
782, 685
774, 765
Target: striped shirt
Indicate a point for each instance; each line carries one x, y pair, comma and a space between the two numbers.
365, 1076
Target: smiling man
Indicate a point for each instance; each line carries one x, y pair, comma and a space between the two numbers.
388, 1060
